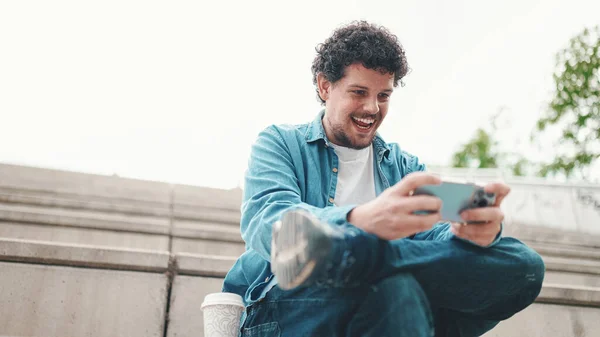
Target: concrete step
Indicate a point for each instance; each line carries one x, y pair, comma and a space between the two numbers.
556, 320
572, 271
206, 214
84, 236
573, 265
212, 198
82, 184
89, 202
188, 292
571, 295
207, 247
51, 253
31, 185
207, 230
119, 239
561, 250
202, 237
542, 235
57, 301
572, 279
560, 310
203, 265
82, 218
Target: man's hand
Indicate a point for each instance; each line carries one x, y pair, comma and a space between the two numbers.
491, 217
391, 215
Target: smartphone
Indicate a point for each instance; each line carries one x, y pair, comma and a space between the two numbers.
456, 197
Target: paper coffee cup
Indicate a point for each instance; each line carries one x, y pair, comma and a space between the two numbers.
222, 314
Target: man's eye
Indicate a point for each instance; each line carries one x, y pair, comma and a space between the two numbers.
384, 96
360, 92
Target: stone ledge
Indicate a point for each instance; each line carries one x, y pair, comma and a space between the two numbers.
207, 247
202, 213
81, 218
84, 236
85, 184
547, 249
74, 201
572, 265
188, 195
42, 252
206, 230
187, 294
572, 279
572, 295
203, 265
550, 320
536, 234
56, 301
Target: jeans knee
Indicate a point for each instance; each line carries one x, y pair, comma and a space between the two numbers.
402, 284
531, 265
395, 305
400, 291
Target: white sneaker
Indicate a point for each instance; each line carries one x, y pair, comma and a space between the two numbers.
299, 246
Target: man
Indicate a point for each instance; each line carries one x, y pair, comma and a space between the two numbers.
333, 247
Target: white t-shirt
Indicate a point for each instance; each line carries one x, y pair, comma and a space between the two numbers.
356, 182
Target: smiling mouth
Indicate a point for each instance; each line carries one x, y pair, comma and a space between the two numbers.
363, 123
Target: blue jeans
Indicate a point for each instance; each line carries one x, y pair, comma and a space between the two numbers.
407, 288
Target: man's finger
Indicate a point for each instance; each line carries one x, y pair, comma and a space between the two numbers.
500, 189
484, 214
421, 223
482, 234
414, 180
485, 230
423, 203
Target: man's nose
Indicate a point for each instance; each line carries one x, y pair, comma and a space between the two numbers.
372, 106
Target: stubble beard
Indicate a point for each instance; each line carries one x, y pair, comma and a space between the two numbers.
342, 138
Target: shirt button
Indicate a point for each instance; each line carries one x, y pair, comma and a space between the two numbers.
331, 200
335, 170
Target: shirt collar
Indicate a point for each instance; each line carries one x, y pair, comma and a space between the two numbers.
315, 131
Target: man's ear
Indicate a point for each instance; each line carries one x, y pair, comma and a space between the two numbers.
324, 86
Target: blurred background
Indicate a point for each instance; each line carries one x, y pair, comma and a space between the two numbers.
178, 91
126, 126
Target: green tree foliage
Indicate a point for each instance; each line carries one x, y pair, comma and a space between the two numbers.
482, 151
479, 152
575, 108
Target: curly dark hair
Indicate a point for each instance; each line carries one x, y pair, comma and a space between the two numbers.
373, 46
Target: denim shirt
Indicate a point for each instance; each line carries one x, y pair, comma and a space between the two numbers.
294, 166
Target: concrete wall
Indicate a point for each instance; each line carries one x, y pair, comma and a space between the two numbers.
40, 300
92, 255
187, 294
51, 289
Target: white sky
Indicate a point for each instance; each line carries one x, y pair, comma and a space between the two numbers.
178, 90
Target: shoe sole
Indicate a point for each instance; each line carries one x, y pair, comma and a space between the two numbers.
299, 243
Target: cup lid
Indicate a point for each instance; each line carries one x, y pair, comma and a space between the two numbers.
222, 298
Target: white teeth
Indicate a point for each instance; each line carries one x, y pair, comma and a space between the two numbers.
364, 120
